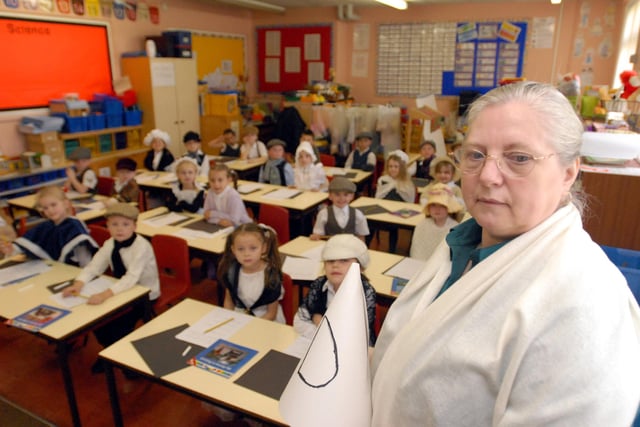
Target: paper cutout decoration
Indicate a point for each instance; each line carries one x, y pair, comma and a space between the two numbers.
93, 7
64, 6
78, 7
118, 9
143, 11
334, 373
131, 8
30, 4
46, 5
106, 7
154, 14
13, 4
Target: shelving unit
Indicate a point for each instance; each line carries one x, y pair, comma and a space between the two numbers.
24, 182
104, 141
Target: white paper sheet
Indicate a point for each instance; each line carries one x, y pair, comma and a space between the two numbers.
146, 177
299, 347
169, 177
188, 233
291, 59
335, 171
272, 70
248, 188
281, 194
91, 288
162, 220
197, 333
406, 268
19, 272
95, 206
301, 268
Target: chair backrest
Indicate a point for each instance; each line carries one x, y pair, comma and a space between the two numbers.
142, 201
287, 300
99, 233
105, 185
327, 160
174, 271
276, 217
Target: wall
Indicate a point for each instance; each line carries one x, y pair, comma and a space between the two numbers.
540, 64
129, 36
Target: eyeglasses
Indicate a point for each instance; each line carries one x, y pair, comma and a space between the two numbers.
511, 163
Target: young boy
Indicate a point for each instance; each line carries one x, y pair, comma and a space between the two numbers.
80, 177
339, 217
338, 254
126, 188
362, 157
193, 144
420, 168
252, 149
132, 262
277, 171
228, 144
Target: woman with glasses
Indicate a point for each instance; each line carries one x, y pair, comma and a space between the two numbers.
520, 318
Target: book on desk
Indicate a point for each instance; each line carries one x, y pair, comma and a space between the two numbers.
38, 317
223, 358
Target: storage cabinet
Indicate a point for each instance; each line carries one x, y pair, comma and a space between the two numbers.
167, 90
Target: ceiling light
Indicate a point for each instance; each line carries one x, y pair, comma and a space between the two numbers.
556, 1
396, 4
255, 4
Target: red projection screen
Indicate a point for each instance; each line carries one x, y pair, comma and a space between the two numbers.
44, 59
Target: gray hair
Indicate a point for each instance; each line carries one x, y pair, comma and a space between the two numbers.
561, 125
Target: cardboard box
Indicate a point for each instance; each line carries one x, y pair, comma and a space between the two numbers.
42, 138
221, 104
55, 148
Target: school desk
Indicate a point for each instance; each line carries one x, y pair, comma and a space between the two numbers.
362, 179
28, 203
258, 334
18, 298
379, 263
387, 219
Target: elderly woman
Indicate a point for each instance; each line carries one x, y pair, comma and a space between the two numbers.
519, 319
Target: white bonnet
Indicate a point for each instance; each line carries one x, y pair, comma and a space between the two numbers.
183, 160
401, 154
306, 147
345, 246
159, 134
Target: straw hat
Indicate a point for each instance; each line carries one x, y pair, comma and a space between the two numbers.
441, 194
444, 159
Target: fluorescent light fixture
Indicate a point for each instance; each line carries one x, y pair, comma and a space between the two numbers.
256, 4
396, 4
556, 1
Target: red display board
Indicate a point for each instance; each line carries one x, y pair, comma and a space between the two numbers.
43, 60
289, 57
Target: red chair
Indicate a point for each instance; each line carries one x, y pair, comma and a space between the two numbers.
276, 217
287, 301
172, 258
105, 185
142, 201
99, 233
327, 160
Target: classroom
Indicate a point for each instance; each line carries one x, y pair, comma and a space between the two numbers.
186, 185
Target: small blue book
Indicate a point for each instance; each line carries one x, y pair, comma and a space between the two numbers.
223, 358
38, 317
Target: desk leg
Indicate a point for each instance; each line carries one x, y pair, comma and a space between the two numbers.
63, 360
113, 394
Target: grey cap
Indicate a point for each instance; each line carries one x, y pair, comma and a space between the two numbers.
428, 141
340, 183
80, 153
363, 135
122, 209
276, 141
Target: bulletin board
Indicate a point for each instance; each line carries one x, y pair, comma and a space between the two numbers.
292, 57
448, 58
219, 51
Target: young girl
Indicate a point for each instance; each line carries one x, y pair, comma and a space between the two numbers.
187, 194
309, 175
223, 204
440, 217
250, 271
444, 170
159, 158
396, 184
338, 254
61, 237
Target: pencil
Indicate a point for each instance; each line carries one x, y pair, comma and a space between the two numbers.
218, 325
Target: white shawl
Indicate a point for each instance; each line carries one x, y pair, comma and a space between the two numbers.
542, 332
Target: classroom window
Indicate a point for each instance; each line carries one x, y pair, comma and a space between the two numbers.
629, 40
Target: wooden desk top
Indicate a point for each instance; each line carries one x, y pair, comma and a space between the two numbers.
29, 202
391, 206
213, 245
302, 202
378, 264
20, 297
259, 334
332, 171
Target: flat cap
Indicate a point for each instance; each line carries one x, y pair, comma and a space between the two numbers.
122, 209
363, 135
276, 141
80, 153
340, 183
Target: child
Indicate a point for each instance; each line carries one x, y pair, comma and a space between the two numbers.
7, 232
338, 254
444, 171
420, 169
396, 184
308, 175
362, 157
187, 194
252, 149
80, 177
126, 188
192, 143
339, 217
307, 136
250, 271
159, 158
132, 262
61, 237
227, 143
439, 218
277, 171
223, 204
